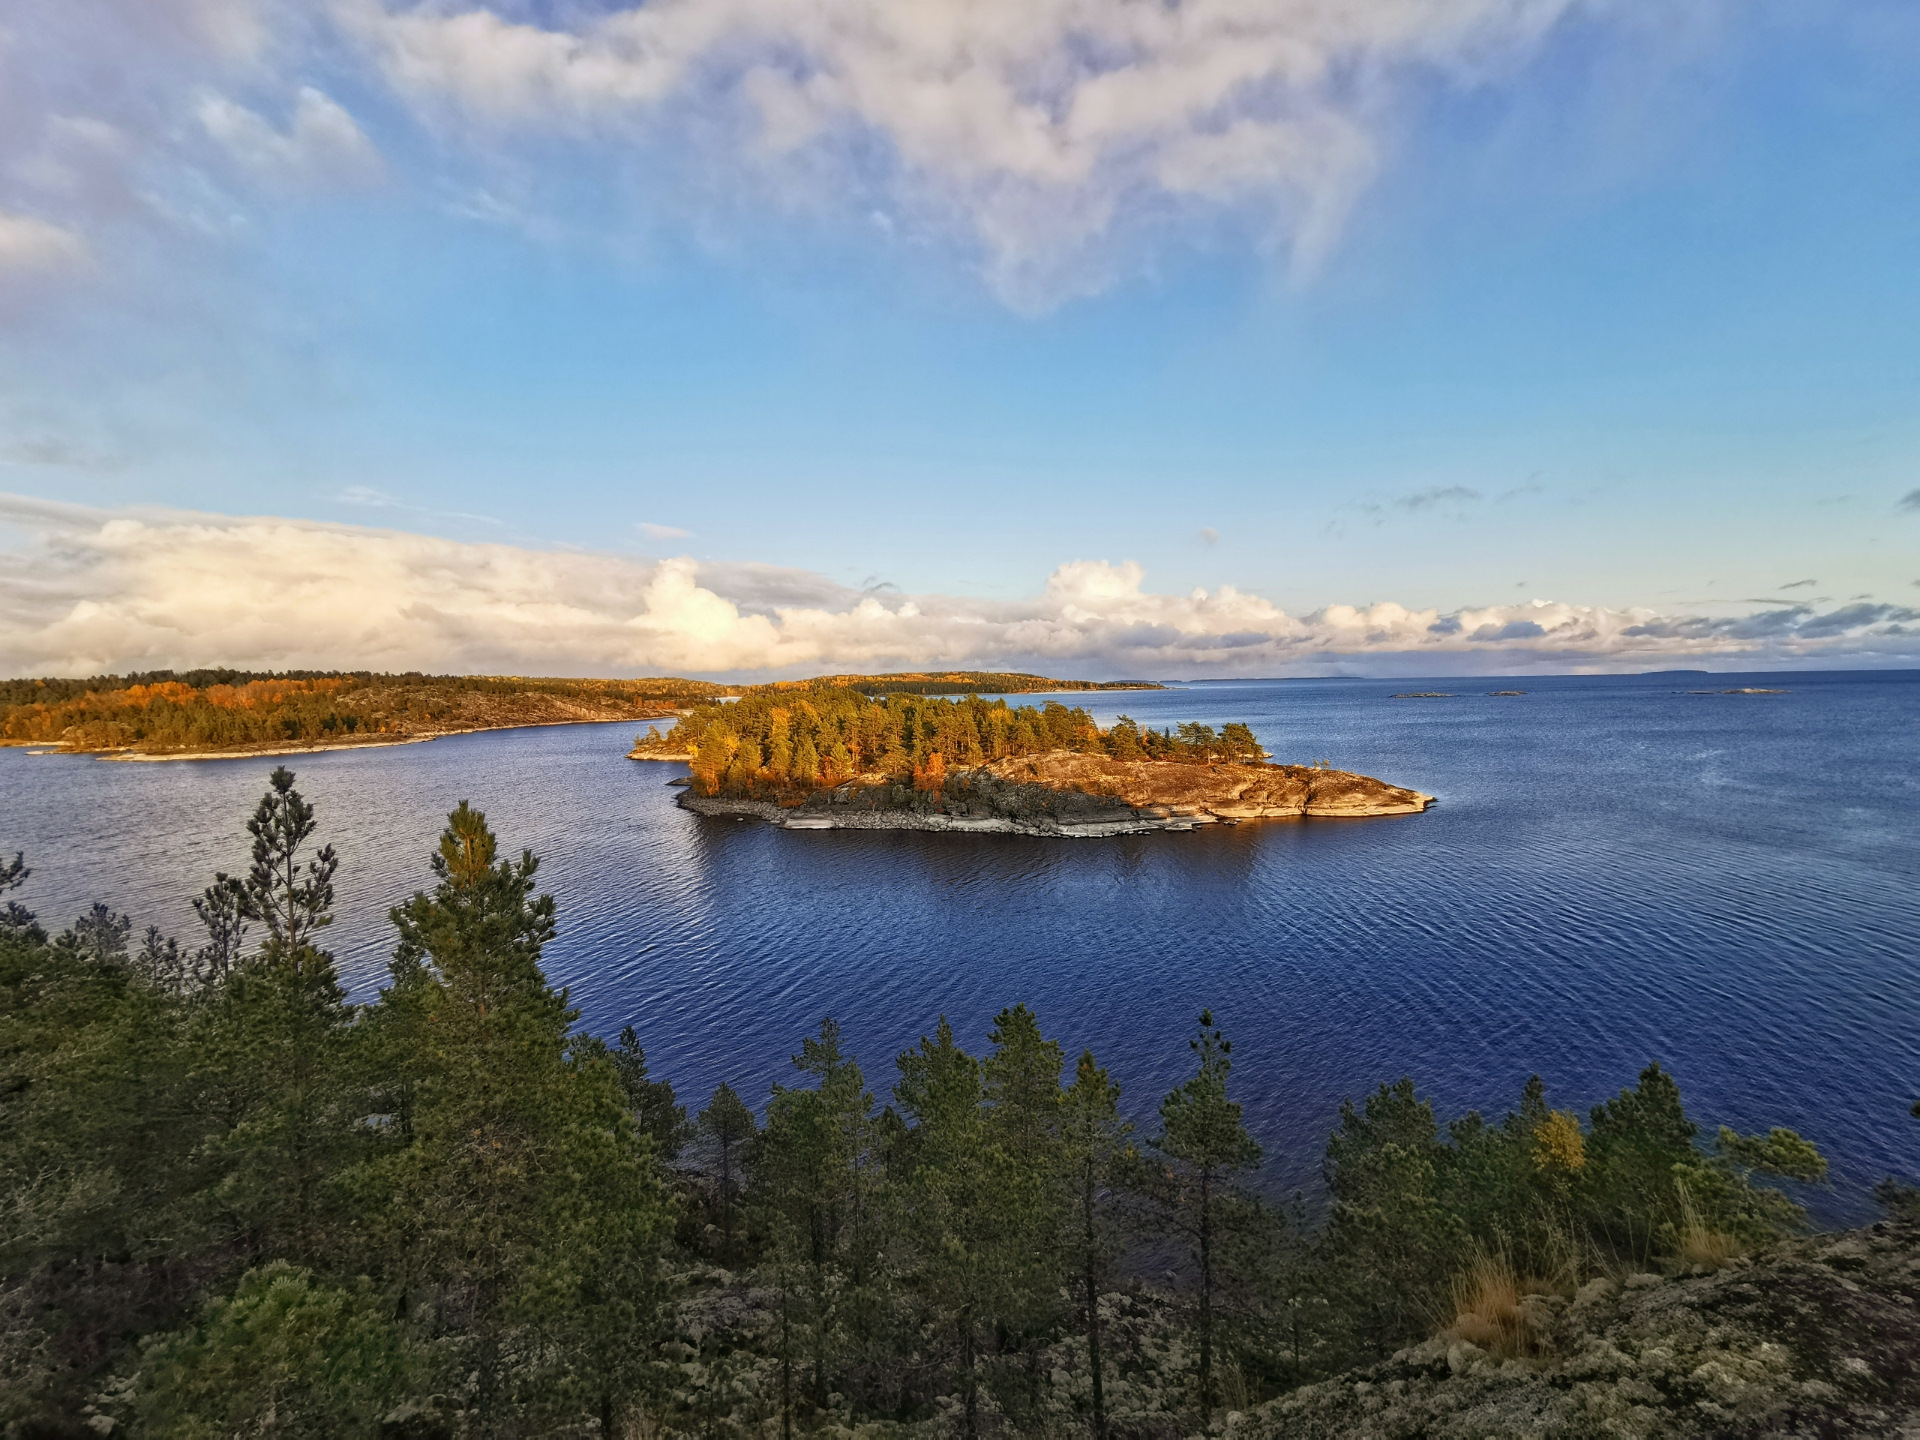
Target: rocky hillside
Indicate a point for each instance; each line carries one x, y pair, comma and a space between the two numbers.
1066, 792
1819, 1338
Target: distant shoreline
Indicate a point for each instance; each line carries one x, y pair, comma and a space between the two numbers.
130, 756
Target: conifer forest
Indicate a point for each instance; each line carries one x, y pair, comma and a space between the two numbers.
238, 1202
776, 741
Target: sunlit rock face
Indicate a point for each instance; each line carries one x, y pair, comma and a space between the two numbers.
1064, 792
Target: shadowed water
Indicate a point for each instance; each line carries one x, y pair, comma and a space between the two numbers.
1617, 871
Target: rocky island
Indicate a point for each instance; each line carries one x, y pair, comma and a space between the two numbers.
840, 759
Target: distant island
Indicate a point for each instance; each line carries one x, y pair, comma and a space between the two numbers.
207, 714
835, 757
220, 713
954, 682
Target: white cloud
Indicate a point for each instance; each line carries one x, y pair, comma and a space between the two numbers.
662, 532
1043, 127
322, 144
88, 591
30, 244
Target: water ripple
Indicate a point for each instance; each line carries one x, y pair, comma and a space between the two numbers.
1617, 872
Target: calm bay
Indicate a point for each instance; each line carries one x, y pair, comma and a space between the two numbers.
1618, 870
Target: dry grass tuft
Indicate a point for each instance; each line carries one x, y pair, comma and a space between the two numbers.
1700, 1245
1487, 1303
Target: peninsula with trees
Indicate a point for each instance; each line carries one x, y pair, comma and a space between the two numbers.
206, 714
213, 713
839, 757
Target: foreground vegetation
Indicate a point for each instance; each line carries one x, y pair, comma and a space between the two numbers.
236, 1204
774, 742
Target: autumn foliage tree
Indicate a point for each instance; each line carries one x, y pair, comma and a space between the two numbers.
779, 741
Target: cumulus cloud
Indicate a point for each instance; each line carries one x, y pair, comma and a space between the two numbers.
322, 145
1042, 127
85, 591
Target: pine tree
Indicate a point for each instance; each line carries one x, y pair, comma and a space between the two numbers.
1095, 1137
159, 963
810, 1191
100, 936
525, 1198
295, 902
728, 1125
1395, 1240
743, 768
1638, 1138
652, 1102
275, 1041
222, 908
1032, 1194
99, 1158
285, 1355
1202, 1146
806, 762
15, 918
952, 1219
779, 745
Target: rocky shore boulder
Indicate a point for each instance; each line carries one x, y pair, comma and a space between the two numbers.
1819, 1337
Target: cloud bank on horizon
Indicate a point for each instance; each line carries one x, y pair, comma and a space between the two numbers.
88, 591
1049, 138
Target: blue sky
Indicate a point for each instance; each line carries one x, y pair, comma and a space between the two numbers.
1611, 305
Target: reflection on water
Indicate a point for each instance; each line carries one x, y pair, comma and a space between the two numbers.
1617, 871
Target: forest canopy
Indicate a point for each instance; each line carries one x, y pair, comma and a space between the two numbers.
240, 1202
233, 709
778, 741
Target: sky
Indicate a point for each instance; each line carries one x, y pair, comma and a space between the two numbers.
1114, 338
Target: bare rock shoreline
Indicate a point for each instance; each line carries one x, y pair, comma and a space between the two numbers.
1067, 793
1819, 1338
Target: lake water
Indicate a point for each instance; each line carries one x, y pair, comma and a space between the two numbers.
1617, 871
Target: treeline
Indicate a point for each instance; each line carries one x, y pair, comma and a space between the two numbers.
226, 709
237, 1204
771, 742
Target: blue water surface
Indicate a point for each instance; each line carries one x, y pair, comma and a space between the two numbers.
1618, 870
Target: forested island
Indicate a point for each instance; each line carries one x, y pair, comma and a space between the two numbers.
838, 757
238, 1204
197, 714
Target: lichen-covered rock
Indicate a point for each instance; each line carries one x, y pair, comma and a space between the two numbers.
1818, 1338
1065, 792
